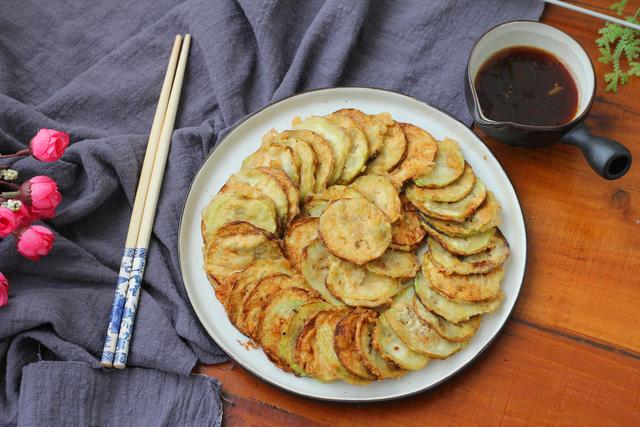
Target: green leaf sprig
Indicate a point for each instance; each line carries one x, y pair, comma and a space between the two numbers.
620, 46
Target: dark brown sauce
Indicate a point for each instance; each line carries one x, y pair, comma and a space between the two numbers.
528, 86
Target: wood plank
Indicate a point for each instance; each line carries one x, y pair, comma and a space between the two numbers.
527, 376
584, 231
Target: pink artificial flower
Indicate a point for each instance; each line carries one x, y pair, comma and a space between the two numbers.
24, 216
8, 222
41, 193
35, 241
49, 144
4, 290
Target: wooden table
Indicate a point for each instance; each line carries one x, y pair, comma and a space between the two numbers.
570, 354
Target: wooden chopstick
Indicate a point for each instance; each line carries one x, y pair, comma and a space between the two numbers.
594, 14
148, 216
122, 285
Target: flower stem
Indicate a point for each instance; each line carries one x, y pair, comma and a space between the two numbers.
10, 194
23, 152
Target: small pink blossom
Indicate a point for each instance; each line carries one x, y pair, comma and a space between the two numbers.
41, 193
49, 144
24, 216
4, 290
8, 222
35, 241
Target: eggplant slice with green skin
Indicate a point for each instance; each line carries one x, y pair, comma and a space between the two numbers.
453, 311
274, 318
393, 349
291, 331
482, 262
449, 166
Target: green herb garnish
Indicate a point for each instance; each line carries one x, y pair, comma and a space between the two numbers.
619, 45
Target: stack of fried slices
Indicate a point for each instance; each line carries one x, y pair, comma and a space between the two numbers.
312, 247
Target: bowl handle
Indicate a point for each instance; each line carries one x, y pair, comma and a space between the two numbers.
607, 158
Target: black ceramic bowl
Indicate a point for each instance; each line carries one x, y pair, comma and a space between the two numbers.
608, 158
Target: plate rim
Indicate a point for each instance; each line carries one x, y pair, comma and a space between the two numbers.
346, 398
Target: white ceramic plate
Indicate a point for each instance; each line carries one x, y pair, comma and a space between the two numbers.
245, 138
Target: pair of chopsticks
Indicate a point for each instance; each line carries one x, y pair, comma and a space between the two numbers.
125, 302
593, 13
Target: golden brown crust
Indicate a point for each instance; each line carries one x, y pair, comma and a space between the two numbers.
259, 297
485, 217
455, 211
448, 166
274, 316
453, 192
407, 233
275, 156
418, 160
355, 230
374, 126
293, 197
393, 150
470, 288
298, 236
344, 343
324, 155
234, 246
371, 357
379, 190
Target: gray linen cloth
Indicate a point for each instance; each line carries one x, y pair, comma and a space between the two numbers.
94, 69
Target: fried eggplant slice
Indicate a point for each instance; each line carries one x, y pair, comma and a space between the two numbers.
407, 233
336, 136
293, 197
395, 264
453, 311
463, 246
358, 287
449, 166
258, 211
291, 331
314, 204
487, 216
275, 156
355, 230
392, 152
275, 317
314, 264
298, 236
454, 211
455, 332
453, 192
419, 158
374, 126
323, 152
263, 184
306, 155
235, 246
315, 352
483, 262
393, 349
242, 283
470, 288
371, 357
380, 191
345, 346
359, 152
259, 297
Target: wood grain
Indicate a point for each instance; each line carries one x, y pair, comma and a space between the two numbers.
584, 232
527, 376
570, 355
